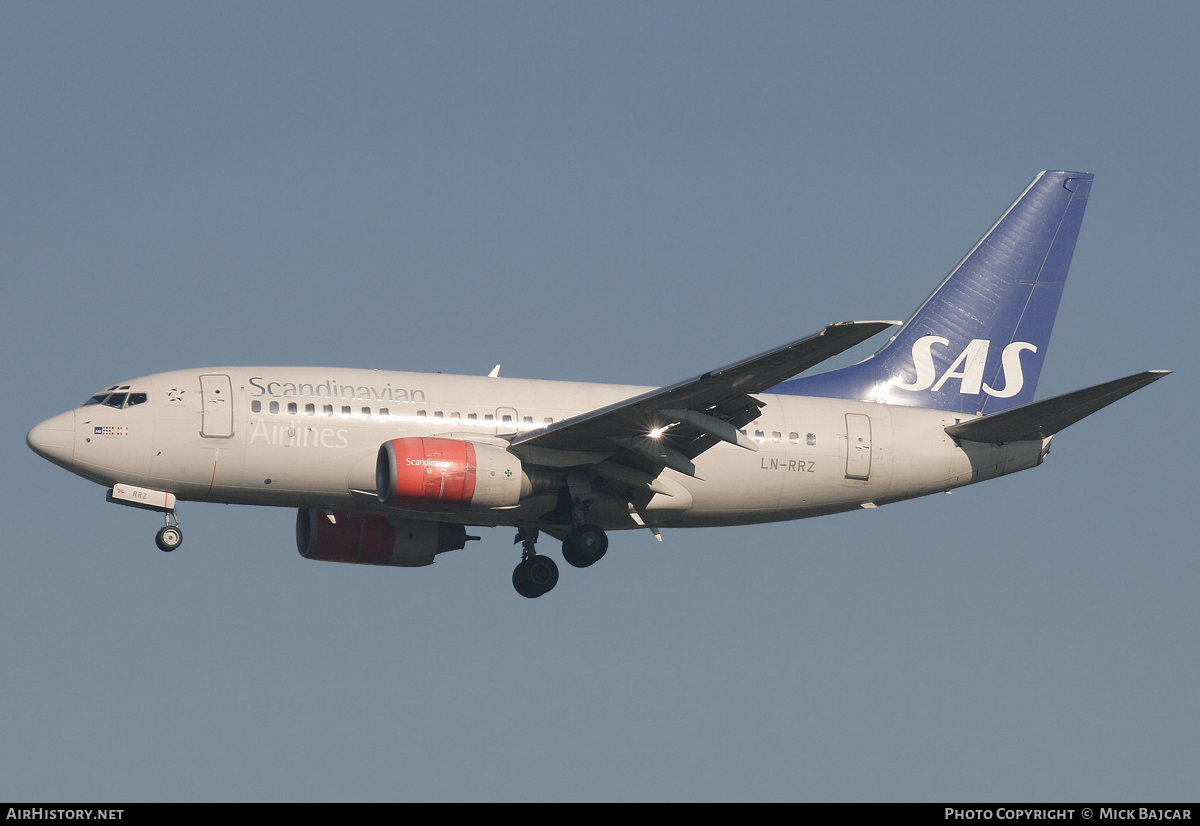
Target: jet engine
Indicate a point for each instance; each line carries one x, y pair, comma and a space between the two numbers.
370, 539
433, 474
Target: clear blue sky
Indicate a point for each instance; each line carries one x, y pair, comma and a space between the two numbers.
615, 192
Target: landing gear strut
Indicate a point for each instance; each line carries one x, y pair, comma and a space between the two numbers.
535, 574
586, 543
169, 536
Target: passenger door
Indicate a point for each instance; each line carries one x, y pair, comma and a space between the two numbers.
216, 398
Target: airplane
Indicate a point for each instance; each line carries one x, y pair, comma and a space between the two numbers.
391, 468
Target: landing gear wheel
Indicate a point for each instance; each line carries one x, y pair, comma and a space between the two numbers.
585, 546
168, 538
535, 576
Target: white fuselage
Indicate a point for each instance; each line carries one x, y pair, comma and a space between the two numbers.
308, 437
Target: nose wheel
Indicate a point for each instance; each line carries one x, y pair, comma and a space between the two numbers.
169, 536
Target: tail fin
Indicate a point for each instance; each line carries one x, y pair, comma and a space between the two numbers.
978, 343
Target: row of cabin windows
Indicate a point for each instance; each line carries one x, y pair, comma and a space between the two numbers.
777, 437
310, 409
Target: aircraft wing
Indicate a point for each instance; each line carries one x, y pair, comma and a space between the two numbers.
693, 415
1037, 420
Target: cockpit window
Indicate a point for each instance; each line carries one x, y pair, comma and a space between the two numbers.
117, 400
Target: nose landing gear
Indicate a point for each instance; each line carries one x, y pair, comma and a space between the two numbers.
169, 536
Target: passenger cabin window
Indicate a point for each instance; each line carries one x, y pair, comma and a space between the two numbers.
506, 418
794, 438
776, 436
274, 407
488, 417
547, 420
811, 438
528, 420
346, 410
384, 413
420, 414
256, 406
437, 414
328, 410
454, 417
366, 411
292, 408
472, 417
759, 436
310, 409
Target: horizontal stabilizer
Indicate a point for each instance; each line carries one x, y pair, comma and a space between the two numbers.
1039, 420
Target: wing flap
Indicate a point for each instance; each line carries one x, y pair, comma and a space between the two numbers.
1038, 420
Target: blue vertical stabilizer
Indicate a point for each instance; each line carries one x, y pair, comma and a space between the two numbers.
977, 344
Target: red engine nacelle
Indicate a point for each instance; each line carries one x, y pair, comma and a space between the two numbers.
432, 474
370, 539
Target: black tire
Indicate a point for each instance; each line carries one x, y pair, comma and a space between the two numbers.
585, 546
168, 538
543, 572
523, 583
535, 576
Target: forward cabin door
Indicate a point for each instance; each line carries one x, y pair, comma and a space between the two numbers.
216, 396
858, 446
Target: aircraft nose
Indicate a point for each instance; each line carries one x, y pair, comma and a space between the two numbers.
54, 439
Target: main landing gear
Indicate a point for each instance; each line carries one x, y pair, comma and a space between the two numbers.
585, 545
535, 574
169, 536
